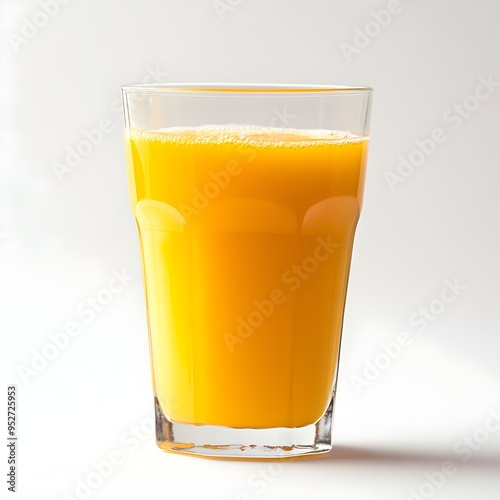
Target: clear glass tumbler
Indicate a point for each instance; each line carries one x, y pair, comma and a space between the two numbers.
246, 200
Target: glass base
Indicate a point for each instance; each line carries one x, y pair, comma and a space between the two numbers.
228, 442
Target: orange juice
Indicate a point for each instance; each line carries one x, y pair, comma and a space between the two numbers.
246, 236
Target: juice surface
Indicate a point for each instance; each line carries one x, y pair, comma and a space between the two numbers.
246, 237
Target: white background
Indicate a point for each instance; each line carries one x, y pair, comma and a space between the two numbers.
61, 239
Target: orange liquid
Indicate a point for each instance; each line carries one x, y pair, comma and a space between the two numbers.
246, 237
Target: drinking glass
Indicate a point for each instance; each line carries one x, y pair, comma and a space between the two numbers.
246, 200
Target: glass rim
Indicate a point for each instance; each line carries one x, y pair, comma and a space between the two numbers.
244, 88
